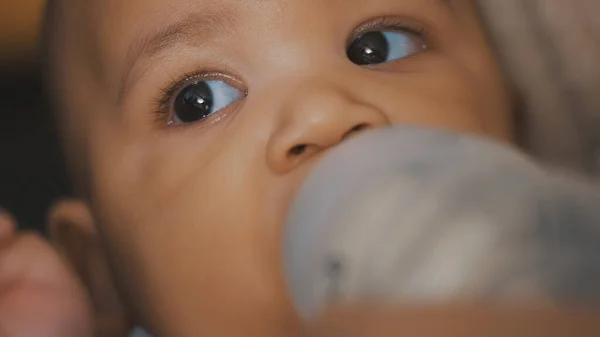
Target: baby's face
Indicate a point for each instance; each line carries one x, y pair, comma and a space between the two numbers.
202, 118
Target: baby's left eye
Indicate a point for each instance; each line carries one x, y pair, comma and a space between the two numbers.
202, 99
377, 47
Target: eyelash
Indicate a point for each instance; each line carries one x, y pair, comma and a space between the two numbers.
388, 23
169, 92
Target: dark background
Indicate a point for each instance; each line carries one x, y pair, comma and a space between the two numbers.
31, 166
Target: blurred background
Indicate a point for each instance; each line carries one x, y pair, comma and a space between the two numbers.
31, 165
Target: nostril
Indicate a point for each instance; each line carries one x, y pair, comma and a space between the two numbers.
298, 150
303, 149
359, 127
355, 129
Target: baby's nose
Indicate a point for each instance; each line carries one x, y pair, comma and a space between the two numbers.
316, 118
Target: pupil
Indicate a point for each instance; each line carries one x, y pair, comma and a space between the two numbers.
370, 48
194, 103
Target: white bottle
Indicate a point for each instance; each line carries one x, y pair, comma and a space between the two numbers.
407, 214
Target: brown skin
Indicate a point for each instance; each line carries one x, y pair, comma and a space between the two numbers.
213, 195
35, 282
458, 320
39, 294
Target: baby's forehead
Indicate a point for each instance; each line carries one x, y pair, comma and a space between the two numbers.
112, 13
112, 22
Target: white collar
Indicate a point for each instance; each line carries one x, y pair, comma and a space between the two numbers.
139, 332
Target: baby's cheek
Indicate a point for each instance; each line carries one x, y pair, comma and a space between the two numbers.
439, 92
219, 223
458, 113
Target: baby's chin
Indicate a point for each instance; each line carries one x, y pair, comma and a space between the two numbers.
374, 201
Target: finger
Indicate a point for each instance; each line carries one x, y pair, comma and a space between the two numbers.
38, 294
42, 311
33, 258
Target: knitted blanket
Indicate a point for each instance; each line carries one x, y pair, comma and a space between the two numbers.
551, 52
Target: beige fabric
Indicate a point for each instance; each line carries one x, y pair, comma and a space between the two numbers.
551, 51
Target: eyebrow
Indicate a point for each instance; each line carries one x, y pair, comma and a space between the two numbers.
194, 29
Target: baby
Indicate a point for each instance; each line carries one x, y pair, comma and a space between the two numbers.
189, 127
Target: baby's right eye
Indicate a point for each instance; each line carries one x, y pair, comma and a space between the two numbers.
201, 99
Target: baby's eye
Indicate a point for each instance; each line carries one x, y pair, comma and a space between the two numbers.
378, 47
201, 99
